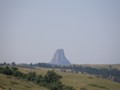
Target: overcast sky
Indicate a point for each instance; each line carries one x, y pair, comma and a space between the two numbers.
87, 30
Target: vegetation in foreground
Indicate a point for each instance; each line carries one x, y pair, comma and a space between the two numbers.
51, 80
111, 72
8, 82
80, 81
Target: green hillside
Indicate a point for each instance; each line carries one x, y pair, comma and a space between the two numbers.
80, 81
88, 82
14, 83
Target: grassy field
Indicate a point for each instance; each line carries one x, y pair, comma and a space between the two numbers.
13, 83
80, 81
88, 82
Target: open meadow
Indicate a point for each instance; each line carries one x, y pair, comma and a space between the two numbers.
79, 81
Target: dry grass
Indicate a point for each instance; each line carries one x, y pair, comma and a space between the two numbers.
13, 83
80, 81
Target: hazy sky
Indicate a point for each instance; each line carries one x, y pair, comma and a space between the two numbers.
87, 30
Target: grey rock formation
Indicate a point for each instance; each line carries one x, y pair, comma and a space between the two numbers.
59, 58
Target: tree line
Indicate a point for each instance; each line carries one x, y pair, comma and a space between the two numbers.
107, 73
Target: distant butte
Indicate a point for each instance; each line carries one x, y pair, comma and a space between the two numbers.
59, 58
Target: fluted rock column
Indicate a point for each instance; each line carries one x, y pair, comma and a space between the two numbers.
59, 58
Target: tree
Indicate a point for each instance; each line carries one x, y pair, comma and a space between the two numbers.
51, 77
55, 86
39, 79
110, 66
7, 71
31, 76
13, 64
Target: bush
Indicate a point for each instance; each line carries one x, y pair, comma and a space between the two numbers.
51, 77
1, 69
17, 73
39, 79
7, 71
53, 82
31, 76
14, 68
55, 86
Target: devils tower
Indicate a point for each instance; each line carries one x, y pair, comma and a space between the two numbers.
59, 58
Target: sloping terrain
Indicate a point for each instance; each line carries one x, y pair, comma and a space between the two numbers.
88, 82
14, 83
80, 81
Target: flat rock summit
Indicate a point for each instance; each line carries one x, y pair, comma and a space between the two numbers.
59, 58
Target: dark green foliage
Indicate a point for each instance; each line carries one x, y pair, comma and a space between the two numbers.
17, 73
14, 68
53, 82
51, 77
55, 86
39, 79
7, 71
10, 71
31, 76
1, 69
24, 76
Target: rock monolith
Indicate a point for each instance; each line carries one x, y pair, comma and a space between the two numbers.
59, 58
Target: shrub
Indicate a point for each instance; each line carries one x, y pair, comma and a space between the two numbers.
7, 71
55, 86
51, 77
31, 76
39, 79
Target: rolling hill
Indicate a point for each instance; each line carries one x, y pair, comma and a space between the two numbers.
13, 83
80, 81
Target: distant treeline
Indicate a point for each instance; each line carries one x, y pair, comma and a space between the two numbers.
51, 80
107, 73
